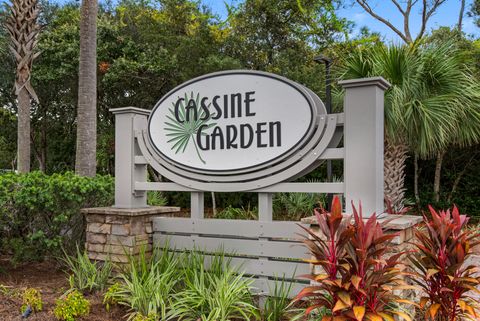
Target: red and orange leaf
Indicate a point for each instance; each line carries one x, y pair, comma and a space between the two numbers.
359, 312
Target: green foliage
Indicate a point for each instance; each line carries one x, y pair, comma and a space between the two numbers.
40, 213
218, 293
432, 102
441, 269
234, 213
147, 285
156, 198
86, 275
141, 317
110, 298
294, 206
33, 298
277, 307
71, 306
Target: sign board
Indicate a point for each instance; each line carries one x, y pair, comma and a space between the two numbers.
233, 122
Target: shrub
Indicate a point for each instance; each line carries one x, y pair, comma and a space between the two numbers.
39, 213
357, 281
33, 299
219, 293
87, 275
234, 213
147, 285
156, 198
295, 205
71, 306
443, 247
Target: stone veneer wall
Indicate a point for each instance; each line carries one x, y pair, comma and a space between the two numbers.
113, 233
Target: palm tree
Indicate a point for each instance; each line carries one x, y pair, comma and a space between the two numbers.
23, 28
86, 153
430, 106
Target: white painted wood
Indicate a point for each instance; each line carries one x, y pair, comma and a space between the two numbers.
265, 286
127, 120
272, 249
363, 141
321, 188
265, 204
236, 228
197, 205
333, 153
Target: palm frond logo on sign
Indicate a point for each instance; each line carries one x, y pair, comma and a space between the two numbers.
185, 120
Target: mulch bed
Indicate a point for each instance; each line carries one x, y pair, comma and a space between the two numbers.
51, 281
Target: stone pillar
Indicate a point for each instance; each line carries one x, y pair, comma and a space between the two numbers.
115, 233
363, 141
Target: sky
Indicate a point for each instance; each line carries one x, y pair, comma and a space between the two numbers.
447, 15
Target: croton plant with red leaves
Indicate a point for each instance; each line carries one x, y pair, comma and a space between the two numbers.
356, 281
443, 246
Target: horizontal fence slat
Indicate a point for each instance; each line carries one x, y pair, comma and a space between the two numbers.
333, 153
163, 186
247, 247
239, 228
140, 160
337, 188
266, 268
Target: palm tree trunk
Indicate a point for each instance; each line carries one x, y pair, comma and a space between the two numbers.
23, 131
86, 153
460, 16
438, 174
394, 173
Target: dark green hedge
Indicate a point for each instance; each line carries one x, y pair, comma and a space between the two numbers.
40, 213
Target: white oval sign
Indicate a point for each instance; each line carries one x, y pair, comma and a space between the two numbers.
232, 121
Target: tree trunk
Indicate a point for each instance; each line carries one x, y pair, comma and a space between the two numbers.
23, 131
460, 16
394, 173
438, 174
86, 153
415, 179
459, 177
214, 205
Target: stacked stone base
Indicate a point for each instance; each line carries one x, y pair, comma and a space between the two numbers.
115, 234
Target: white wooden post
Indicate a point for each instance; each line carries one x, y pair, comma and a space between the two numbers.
127, 121
197, 205
363, 140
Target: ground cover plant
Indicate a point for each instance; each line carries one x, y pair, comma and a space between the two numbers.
71, 306
356, 280
219, 292
86, 275
441, 268
146, 286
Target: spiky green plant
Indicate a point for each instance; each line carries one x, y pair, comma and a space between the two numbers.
86, 275
180, 133
220, 292
147, 285
277, 305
